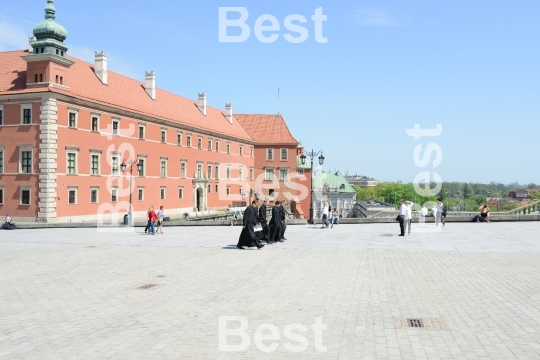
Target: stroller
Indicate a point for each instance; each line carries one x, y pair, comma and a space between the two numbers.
9, 226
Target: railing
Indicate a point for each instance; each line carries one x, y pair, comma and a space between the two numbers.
526, 209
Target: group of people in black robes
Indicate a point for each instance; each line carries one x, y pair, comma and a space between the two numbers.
272, 232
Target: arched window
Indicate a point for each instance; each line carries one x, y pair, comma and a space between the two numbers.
342, 187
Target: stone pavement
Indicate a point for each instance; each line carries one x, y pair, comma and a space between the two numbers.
76, 293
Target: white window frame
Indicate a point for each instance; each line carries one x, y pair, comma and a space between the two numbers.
163, 137
300, 172
117, 122
188, 141
161, 161
26, 107
179, 138
143, 159
216, 171
228, 191
209, 171
92, 116
2, 194
241, 172
251, 151
183, 169
200, 143
96, 189
217, 188
266, 177
217, 145
251, 174
114, 190
241, 150
73, 188
209, 188
180, 192
72, 151
117, 157
24, 148
228, 173
209, 144
143, 127
25, 188
281, 154
286, 175
163, 193
75, 112
267, 152
2, 157
2, 115
228, 148
98, 154
200, 172
140, 191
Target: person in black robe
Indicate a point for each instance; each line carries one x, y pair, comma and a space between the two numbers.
263, 221
248, 236
275, 223
283, 222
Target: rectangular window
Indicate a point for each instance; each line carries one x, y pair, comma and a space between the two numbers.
251, 177
95, 165
251, 152
71, 161
140, 194
300, 172
27, 116
25, 196
1, 195
217, 146
163, 136
269, 154
163, 168
141, 132
209, 145
271, 192
241, 173
189, 141
228, 173
26, 164
269, 174
181, 193
217, 188
240, 190
179, 139
209, 175
114, 166
1, 161
228, 191
114, 195
1, 116
72, 197
241, 151
162, 193
209, 188
93, 196
199, 171
283, 154
228, 148
115, 127
283, 174
95, 124
199, 144
217, 172
141, 171
183, 170
72, 120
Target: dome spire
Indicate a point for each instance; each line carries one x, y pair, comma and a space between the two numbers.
50, 10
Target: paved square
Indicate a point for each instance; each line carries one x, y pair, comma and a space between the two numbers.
74, 293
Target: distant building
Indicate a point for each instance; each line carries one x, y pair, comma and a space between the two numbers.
361, 181
335, 188
522, 193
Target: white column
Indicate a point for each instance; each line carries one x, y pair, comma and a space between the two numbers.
47, 160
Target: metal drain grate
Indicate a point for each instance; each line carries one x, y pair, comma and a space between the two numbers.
415, 323
147, 286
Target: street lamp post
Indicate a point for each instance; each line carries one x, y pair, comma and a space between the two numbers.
303, 157
130, 163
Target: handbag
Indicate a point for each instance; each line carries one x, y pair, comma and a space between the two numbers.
257, 228
400, 218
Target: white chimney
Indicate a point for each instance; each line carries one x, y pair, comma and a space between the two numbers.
31, 39
202, 103
150, 86
228, 112
101, 66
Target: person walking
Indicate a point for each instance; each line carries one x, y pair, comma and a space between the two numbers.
160, 218
152, 217
324, 213
263, 221
283, 218
408, 217
439, 215
148, 222
401, 217
248, 237
275, 224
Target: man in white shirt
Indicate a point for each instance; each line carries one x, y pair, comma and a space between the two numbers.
8, 219
423, 212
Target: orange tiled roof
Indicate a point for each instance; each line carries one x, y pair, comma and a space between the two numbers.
266, 129
121, 92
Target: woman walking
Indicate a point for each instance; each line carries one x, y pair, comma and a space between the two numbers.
324, 213
152, 217
160, 217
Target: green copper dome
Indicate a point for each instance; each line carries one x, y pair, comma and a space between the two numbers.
49, 28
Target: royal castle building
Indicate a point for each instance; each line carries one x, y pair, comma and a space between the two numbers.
78, 141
